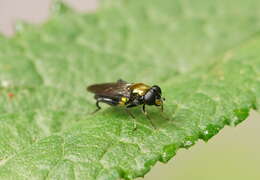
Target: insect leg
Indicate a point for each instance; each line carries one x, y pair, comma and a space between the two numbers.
106, 100
133, 118
129, 113
98, 107
145, 113
130, 105
162, 113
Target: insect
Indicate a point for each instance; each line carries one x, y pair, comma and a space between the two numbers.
122, 93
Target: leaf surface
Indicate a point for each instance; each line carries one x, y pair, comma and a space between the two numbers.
203, 54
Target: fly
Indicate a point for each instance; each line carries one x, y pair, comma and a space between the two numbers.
128, 95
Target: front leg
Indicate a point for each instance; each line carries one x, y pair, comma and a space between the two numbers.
143, 109
145, 113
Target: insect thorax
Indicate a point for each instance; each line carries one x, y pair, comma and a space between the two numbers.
139, 88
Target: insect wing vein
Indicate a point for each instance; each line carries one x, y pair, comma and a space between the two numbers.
110, 89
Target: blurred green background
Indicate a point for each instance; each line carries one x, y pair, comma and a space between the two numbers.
233, 154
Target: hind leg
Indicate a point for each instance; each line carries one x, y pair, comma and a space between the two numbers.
98, 107
106, 100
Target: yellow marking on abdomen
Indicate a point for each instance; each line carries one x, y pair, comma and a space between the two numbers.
123, 101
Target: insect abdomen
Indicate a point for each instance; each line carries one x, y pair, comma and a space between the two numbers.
113, 101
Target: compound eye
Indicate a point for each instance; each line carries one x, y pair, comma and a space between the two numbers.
157, 89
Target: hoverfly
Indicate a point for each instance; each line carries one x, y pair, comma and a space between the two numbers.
129, 95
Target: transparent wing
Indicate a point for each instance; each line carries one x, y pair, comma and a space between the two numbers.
110, 89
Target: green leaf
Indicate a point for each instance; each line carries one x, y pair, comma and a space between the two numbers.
187, 47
